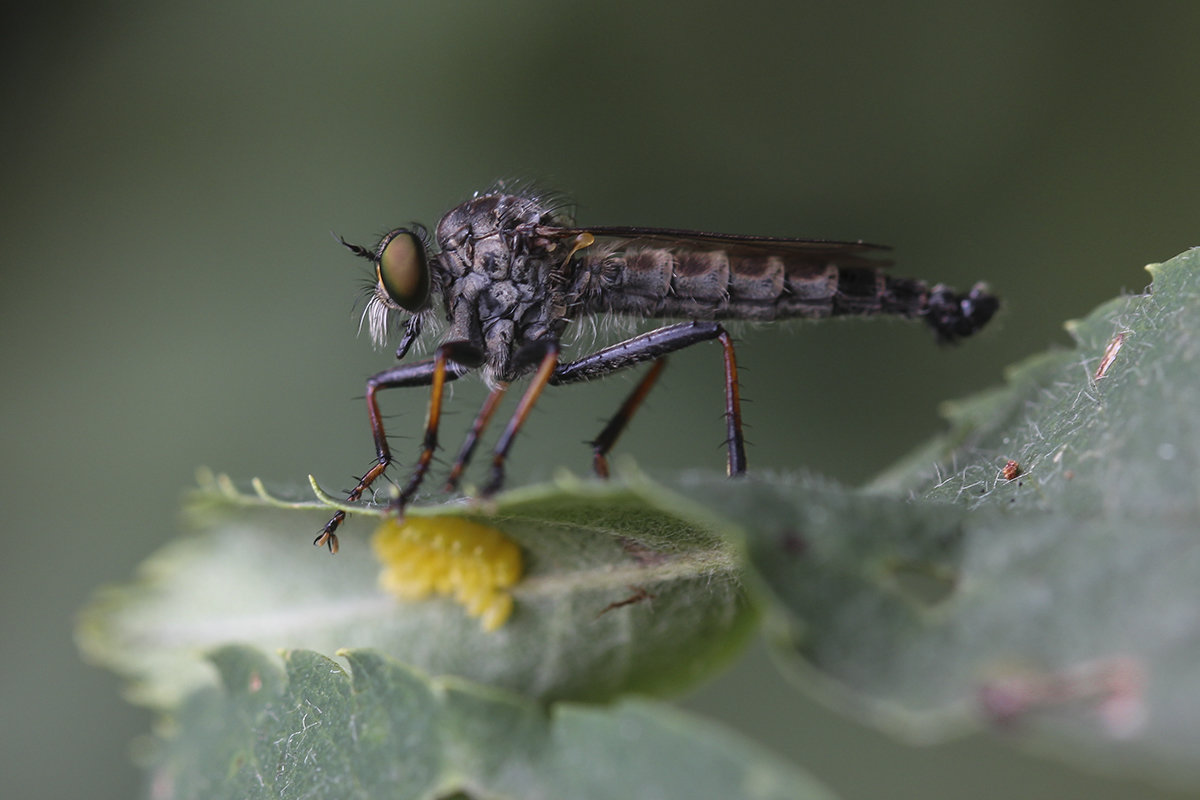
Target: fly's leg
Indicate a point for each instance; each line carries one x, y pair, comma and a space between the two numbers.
653, 346
545, 371
612, 431
477, 427
451, 361
463, 354
734, 441
419, 374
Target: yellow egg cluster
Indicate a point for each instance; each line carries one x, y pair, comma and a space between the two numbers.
450, 556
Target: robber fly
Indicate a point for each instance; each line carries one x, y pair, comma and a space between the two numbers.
511, 270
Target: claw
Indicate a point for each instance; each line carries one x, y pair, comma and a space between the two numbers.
328, 537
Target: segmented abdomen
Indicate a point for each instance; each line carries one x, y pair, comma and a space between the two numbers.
713, 284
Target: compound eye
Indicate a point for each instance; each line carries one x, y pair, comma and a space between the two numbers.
403, 270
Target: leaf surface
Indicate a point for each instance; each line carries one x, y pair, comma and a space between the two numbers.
618, 596
312, 730
1062, 605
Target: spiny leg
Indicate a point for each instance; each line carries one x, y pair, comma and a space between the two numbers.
612, 431
418, 374
545, 370
460, 353
493, 401
472, 439
736, 458
445, 365
656, 344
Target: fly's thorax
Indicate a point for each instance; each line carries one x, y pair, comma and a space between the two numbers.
498, 278
492, 232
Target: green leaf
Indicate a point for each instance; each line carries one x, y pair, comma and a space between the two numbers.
618, 596
388, 731
1063, 605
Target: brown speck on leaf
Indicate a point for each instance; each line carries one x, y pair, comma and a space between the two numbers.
792, 543
639, 594
1011, 470
1110, 355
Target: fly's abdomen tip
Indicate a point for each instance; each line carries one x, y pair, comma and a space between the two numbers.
954, 316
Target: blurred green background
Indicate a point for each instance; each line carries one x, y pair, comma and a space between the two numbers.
173, 297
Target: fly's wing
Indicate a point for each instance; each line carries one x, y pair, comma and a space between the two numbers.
845, 254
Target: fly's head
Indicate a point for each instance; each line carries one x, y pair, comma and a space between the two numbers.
491, 271
404, 283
